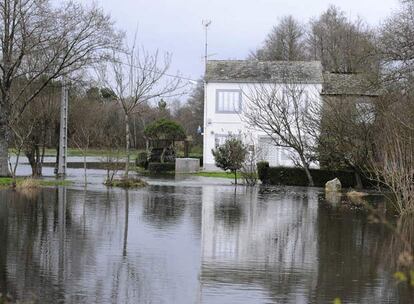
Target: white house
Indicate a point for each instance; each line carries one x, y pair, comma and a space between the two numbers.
228, 84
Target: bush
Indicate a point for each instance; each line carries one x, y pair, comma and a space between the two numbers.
159, 168
297, 176
230, 156
142, 160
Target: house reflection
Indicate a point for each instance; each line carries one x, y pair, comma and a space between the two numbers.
250, 240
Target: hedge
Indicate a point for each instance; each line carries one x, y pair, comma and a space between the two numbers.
142, 160
297, 176
159, 168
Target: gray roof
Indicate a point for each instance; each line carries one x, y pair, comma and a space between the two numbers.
348, 84
264, 71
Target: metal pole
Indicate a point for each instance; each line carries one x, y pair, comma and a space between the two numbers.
63, 134
206, 24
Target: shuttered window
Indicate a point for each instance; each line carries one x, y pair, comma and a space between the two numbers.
228, 101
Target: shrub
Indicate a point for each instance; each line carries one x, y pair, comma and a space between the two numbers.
297, 176
230, 156
159, 168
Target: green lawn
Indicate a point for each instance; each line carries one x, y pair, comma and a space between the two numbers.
5, 181
219, 174
8, 181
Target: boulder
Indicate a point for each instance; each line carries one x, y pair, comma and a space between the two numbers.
333, 185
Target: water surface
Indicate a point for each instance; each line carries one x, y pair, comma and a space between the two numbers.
171, 243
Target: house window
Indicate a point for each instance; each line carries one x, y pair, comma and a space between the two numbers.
228, 101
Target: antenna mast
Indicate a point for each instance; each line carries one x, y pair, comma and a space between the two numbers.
206, 23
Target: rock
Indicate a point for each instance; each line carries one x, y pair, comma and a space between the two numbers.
333, 185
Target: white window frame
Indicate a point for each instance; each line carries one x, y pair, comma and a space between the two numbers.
219, 91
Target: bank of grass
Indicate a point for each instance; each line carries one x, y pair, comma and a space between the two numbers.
218, 174
27, 182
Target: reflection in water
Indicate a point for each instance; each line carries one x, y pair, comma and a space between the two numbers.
209, 244
271, 246
163, 208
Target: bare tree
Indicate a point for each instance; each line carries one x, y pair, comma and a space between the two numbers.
286, 41
396, 45
191, 114
89, 126
393, 161
39, 43
347, 132
281, 111
21, 137
137, 77
340, 44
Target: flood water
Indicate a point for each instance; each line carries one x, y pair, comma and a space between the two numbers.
197, 244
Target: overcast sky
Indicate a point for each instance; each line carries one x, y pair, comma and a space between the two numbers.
238, 26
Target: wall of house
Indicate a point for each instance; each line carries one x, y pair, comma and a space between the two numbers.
217, 126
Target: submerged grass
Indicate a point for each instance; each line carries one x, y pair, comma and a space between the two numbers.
127, 183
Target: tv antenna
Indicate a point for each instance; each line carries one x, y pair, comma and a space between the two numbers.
206, 23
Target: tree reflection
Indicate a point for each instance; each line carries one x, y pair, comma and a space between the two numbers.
228, 210
349, 254
163, 209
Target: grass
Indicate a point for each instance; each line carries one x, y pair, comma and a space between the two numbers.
57, 182
27, 182
6, 181
219, 174
132, 182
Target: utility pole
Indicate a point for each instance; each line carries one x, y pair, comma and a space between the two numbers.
206, 23
63, 134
